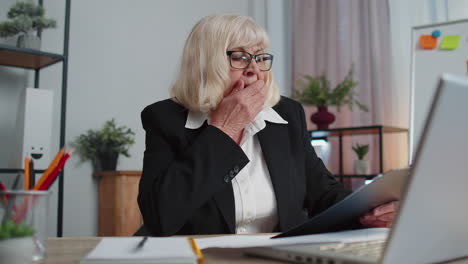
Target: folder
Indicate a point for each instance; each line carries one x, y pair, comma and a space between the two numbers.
383, 189
165, 250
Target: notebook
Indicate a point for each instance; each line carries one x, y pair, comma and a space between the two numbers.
431, 224
125, 250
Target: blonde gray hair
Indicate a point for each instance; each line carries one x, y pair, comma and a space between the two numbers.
204, 72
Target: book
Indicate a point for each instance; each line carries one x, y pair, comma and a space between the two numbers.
135, 250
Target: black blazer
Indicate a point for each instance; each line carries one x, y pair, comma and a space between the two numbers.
186, 185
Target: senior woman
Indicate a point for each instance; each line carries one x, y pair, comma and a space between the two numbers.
227, 154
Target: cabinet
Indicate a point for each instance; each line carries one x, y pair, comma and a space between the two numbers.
37, 60
378, 130
119, 214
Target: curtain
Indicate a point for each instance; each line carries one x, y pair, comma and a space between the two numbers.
328, 37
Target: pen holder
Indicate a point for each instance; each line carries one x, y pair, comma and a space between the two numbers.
23, 226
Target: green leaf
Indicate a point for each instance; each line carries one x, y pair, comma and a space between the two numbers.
25, 8
361, 150
4, 234
10, 229
25, 17
317, 91
110, 138
8, 225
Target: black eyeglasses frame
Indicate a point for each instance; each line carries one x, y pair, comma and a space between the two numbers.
252, 56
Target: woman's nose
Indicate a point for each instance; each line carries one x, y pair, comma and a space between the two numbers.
252, 69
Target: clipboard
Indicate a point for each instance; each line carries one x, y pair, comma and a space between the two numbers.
384, 188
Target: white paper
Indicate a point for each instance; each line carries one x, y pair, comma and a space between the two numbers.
243, 241
123, 248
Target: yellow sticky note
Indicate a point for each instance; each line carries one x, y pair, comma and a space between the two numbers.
450, 42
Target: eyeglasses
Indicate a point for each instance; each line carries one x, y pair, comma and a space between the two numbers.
242, 59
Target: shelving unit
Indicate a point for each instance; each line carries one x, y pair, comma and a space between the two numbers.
352, 131
27, 58
37, 60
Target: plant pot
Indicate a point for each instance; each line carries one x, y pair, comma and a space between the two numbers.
17, 250
361, 167
106, 161
29, 41
322, 118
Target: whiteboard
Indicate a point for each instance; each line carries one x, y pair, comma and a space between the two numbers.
428, 65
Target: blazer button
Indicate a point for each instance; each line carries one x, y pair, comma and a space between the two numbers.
226, 178
236, 169
232, 174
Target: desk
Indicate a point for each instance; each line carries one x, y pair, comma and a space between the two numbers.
70, 250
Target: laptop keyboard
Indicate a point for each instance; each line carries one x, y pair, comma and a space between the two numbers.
370, 249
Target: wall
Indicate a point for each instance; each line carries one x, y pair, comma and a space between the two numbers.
123, 55
279, 27
403, 16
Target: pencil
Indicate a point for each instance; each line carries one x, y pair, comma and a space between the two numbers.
196, 250
53, 175
6, 196
49, 169
26, 172
19, 211
32, 175
49, 180
11, 202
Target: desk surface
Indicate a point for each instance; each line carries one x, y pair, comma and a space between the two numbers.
70, 250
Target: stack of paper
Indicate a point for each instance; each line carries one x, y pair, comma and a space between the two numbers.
168, 250
246, 241
124, 250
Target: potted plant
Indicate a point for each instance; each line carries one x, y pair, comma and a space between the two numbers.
102, 147
361, 166
26, 17
16, 242
318, 92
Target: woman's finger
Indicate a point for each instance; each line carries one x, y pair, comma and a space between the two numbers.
237, 87
386, 217
375, 223
254, 88
386, 208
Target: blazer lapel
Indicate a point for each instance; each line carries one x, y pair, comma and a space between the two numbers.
274, 140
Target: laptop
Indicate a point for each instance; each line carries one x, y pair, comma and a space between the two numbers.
432, 223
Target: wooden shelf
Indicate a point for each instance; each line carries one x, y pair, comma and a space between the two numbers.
378, 130
365, 130
369, 177
27, 58
116, 173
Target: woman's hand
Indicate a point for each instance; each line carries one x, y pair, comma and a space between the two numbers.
381, 216
239, 108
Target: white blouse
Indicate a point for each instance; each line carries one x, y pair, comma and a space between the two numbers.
254, 196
